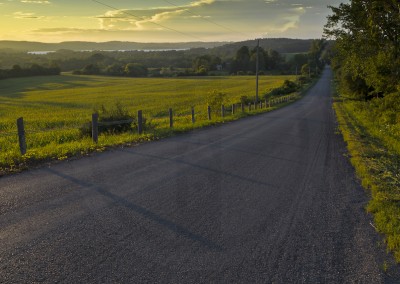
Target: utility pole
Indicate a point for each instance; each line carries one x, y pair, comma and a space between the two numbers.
257, 67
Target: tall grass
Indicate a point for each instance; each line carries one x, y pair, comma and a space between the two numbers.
372, 132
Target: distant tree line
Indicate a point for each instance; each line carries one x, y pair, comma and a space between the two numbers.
34, 70
115, 69
193, 62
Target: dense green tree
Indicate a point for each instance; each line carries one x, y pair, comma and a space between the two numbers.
315, 53
298, 60
115, 70
305, 70
206, 63
135, 70
261, 59
97, 57
16, 71
91, 69
367, 48
34, 70
273, 59
242, 60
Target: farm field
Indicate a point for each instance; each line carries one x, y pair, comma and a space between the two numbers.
54, 108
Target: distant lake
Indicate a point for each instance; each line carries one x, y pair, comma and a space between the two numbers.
116, 50
40, 52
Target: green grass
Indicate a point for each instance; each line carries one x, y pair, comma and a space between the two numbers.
374, 144
54, 108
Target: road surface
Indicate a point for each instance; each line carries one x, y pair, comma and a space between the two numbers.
267, 199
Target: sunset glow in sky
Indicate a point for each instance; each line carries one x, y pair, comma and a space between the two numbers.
161, 20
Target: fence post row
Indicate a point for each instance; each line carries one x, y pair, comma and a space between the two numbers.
171, 118
95, 119
140, 121
95, 127
193, 118
21, 135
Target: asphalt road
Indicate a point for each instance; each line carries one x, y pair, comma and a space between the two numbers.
267, 199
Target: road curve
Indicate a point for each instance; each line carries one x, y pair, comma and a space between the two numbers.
267, 199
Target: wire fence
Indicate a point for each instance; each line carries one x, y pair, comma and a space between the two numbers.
191, 115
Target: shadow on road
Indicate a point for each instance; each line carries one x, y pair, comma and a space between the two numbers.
142, 211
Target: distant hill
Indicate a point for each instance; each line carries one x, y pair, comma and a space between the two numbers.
111, 45
282, 45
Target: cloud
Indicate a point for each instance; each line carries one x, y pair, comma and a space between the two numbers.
35, 2
136, 19
207, 20
200, 3
64, 30
265, 15
146, 18
23, 15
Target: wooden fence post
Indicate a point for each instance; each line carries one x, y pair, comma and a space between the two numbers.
140, 121
95, 127
222, 110
21, 135
209, 112
242, 106
171, 118
233, 108
193, 118
261, 104
249, 106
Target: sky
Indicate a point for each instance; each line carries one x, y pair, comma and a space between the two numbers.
161, 20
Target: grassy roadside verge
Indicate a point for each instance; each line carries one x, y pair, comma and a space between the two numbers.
58, 152
375, 155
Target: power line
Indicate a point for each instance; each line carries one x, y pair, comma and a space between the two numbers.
142, 18
208, 20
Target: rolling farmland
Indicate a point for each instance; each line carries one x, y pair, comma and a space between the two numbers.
54, 108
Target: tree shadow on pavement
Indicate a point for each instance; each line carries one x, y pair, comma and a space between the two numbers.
178, 229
